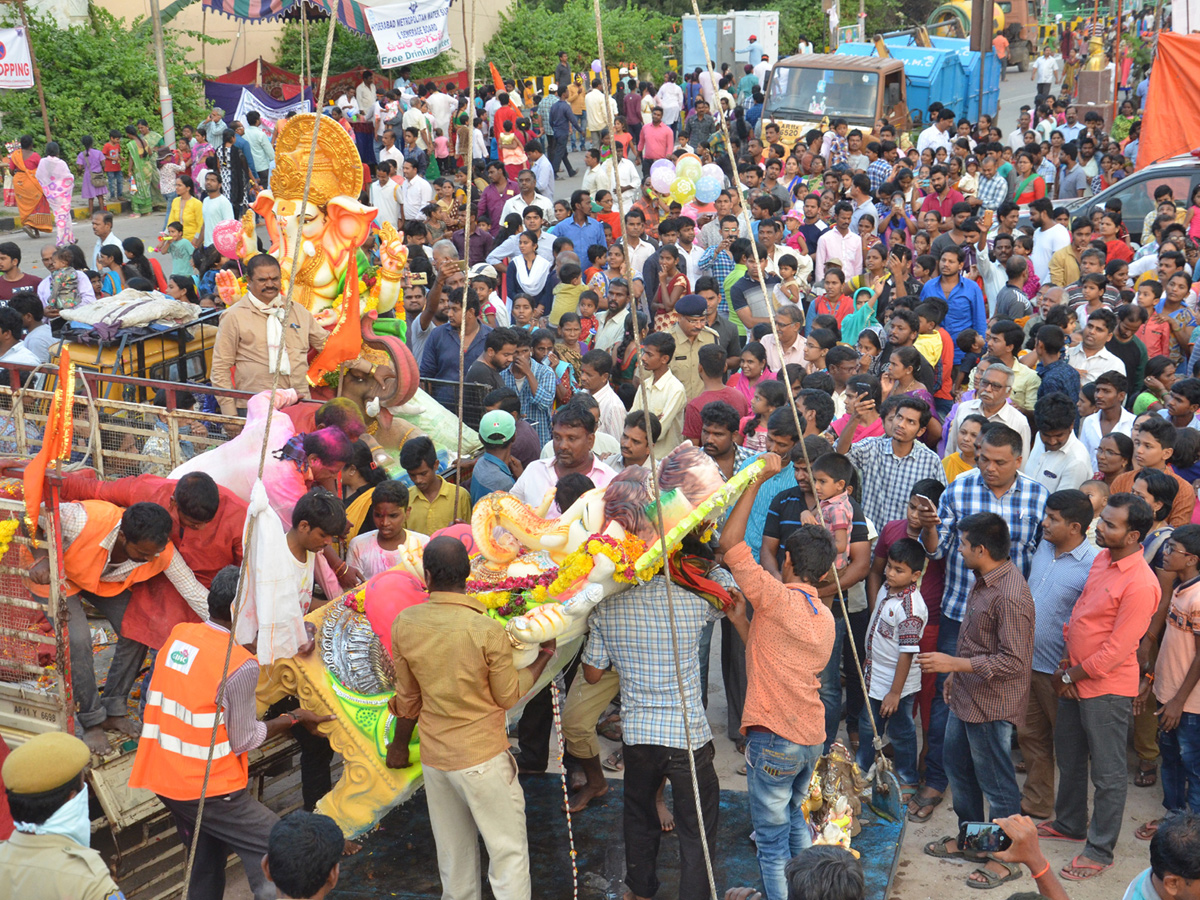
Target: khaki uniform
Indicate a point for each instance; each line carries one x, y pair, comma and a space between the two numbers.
53, 867
685, 364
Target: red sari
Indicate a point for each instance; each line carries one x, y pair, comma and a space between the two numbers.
31, 199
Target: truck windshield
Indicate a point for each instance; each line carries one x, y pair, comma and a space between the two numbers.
822, 92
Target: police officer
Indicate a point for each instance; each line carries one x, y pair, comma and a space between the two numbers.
49, 856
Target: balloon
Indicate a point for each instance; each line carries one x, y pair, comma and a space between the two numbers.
662, 180
712, 170
689, 156
683, 190
688, 168
227, 238
664, 165
707, 189
596, 66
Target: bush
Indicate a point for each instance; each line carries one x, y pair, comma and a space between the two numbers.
96, 77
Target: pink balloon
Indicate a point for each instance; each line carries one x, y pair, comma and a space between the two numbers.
227, 238
388, 594
461, 533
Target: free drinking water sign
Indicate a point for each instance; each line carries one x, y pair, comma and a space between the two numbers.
16, 69
409, 32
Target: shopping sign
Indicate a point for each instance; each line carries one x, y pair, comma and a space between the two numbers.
409, 32
16, 70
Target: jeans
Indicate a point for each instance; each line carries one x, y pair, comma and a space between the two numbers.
1180, 749
645, 767
831, 680
778, 773
899, 726
116, 185
935, 773
316, 754
978, 759
167, 215
1094, 730
126, 662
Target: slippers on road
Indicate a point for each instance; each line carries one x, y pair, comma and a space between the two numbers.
1049, 832
1090, 868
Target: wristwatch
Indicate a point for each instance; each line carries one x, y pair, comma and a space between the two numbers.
1066, 677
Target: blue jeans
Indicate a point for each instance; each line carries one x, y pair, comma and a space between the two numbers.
900, 727
116, 185
1180, 749
943, 406
777, 777
978, 759
167, 215
935, 773
831, 680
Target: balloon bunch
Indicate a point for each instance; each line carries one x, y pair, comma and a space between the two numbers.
687, 180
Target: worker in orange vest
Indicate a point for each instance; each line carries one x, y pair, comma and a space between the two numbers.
174, 747
106, 549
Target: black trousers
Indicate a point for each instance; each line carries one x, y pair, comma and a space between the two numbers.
645, 767
316, 755
232, 822
533, 729
558, 155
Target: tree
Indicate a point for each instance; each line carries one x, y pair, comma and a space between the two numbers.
530, 38
350, 50
97, 77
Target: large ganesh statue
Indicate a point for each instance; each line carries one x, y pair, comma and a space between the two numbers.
540, 576
374, 367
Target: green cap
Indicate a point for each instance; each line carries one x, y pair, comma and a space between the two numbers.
497, 427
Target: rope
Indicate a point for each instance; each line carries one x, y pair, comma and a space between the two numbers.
562, 752
462, 325
262, 457
877, 741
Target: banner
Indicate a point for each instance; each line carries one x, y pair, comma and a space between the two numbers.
16, 71
270, 108
409, 32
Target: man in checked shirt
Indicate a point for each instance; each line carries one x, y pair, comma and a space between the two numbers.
987, 689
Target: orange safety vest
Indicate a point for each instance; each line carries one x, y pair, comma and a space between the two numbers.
84, 560
180, 711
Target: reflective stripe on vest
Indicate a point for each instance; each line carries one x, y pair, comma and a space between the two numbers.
182, 713
175, 745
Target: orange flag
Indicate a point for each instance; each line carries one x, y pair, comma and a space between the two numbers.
496, 79
60, 428
345, 341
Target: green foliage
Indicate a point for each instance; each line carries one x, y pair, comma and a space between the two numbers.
96, 77
350, 50
530, 37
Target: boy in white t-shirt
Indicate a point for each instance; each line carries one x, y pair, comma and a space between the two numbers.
893, 636
391, 543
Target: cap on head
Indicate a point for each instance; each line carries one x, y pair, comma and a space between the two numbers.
497, 427
482, 269
45, 762
691, 305
553, 88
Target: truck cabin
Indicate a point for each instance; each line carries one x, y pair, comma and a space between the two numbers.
805, 90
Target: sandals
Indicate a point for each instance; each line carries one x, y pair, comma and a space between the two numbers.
937, 849
1090, 866
614, 762
1146, 777
1049, 832
991, 879
924, 803
610, 727
1146, 830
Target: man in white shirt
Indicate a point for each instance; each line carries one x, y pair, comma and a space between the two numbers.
573, 433
441, 106
595, 377
670, 98
543, 172
38, 337
385, 195
663, 393
261, 147
414, 117
600, 114
762, 70
937, 134
12, 350
415, 194
1045, 70
992, 389
528, 196
390, 150
102, 228
1110, 417
364, 95
1016, 138
1091, 356
612, 326
1059, 460
216, 207
1048, 237
510, 247
840, 243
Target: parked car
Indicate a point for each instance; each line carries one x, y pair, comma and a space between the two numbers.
1136, 192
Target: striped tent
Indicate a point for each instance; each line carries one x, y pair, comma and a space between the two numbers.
350, 13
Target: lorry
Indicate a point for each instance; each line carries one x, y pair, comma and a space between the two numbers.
728, 36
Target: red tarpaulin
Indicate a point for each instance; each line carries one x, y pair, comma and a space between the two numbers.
1171, 127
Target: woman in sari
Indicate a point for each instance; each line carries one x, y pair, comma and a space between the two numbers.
57, 183
36, 216
359, 479
143, 169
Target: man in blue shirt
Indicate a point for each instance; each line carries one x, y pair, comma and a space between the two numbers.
581, 228
493, 470
440, 358
562, 118
963, 298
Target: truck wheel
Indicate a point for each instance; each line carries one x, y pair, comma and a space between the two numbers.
1023, 65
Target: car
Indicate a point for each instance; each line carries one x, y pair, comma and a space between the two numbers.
1136, 192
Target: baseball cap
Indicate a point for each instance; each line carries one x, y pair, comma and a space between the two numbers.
497, 427
553, 89
482, 269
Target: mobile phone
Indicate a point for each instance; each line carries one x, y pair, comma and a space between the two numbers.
925, 503
982, 837
462, 265
418, 278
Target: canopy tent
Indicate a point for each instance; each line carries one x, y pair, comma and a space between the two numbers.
349, 13
281, 84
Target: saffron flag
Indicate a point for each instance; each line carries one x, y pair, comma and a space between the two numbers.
56, 444
345, 341
1170, 128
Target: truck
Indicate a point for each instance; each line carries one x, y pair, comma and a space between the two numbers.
728, 36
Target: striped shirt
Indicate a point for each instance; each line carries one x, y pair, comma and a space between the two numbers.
888, 478
1056, 580
1022, 507
535, 407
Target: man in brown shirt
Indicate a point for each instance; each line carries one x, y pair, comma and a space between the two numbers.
250, 332
987, 689
455, 675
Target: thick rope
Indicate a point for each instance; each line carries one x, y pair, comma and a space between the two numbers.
787, 383
562, 752
613, 160
262, 460
462, 325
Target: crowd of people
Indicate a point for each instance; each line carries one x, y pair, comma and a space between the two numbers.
980, 447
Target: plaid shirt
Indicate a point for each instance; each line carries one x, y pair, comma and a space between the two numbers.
839, 150
1022, 507
992, 191
627, 633
543, 111
535, 408
888, 478
879, 172
719, 264
997, 637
